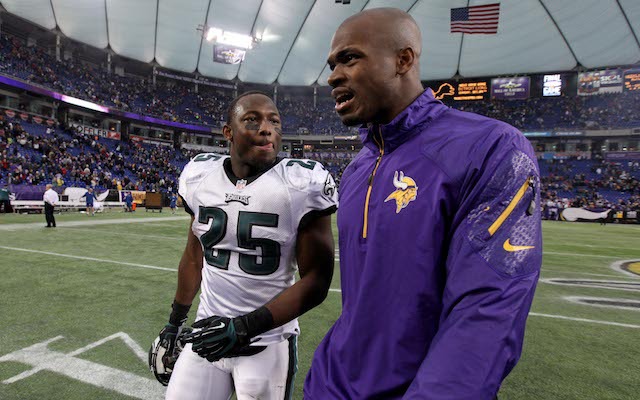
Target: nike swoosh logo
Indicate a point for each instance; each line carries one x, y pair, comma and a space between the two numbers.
511, 248
219, 326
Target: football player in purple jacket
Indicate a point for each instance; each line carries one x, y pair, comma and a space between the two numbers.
439, 232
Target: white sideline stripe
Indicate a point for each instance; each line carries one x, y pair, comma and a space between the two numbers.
88, 258
91, 222
591, 321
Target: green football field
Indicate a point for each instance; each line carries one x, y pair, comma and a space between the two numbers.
80, 305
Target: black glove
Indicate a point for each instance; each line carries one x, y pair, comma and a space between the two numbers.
169, 334
168, 337
217, 337
166, 348
220, 337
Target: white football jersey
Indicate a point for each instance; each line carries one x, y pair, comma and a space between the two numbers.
248, 231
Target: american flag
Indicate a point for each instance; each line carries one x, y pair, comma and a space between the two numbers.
475, 19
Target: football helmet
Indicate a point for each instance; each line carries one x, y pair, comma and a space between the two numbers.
162, 358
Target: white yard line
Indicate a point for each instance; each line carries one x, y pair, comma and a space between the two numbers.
577, 254
91, 222
591, 321
88, 258
591, 246
557, 271
138, 235
170, 225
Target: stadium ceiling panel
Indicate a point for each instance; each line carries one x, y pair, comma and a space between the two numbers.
580, 22
228, 15
401, 4
534, 36
37, 11
177, 40
277, 24
308, 56
631, 9
527, 41
81, 20
132, 28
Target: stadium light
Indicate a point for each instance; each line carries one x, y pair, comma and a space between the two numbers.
230, 38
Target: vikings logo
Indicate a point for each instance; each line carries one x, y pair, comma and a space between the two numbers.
406, 191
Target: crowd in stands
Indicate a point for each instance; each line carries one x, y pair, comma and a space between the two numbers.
66, 158
179, 101
614, 110
592, 184
36, 155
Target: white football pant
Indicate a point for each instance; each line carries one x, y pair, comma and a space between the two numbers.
267, 375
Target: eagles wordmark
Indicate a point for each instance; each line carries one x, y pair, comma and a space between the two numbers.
240, 198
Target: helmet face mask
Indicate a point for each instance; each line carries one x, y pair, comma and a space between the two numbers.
161, 363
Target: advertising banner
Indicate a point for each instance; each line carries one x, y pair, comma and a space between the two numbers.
37, 119
599, 82
467, 90
228, 54
622, 155
89, 130
138, 195
516, 88
552, 85
199, 80
632, 79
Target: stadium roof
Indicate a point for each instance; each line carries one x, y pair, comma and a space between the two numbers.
534, 35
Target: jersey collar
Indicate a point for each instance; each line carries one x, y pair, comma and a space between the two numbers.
234, 179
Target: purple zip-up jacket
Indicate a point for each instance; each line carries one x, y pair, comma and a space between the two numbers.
440, 252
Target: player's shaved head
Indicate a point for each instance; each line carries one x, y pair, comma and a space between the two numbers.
374, 60
391, 27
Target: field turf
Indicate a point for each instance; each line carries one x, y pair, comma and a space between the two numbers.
102, 288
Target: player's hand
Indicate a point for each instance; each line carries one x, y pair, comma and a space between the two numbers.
168, 337
216, 337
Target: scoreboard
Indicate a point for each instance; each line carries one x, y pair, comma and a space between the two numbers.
464, 90
632, 79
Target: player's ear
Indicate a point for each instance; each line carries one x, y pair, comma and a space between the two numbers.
405, 60
227, 132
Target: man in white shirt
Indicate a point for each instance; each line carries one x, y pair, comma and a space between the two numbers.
50, 200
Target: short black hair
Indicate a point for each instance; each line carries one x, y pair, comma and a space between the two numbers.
234, 102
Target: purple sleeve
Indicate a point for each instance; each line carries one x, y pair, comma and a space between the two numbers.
493, 265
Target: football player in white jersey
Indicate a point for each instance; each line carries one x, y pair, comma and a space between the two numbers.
256, 220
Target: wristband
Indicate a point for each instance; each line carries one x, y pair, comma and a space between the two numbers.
254, 323
178, 313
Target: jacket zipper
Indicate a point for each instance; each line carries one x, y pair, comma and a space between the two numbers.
373, 174
529, 183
